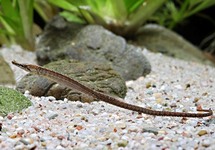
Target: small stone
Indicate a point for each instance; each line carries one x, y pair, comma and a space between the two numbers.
53, 134
163, 87
18, 147
60, 137
196, 99
13, 136
204, 94
27, 92
202, 132
34, 136
26, 141
43, 144
179, 87
148, 85
59, 147
120, 124
1, 118
162, 132
124, 137
173, 105
65, 100
154, 86
52, 116
114, 136
51, 98
79, 127
149, 92
159, 100
122, 143
96, 111
133, 128
157, 95
79, 105
71, 128
188, 86
150, 130
20, 131
206, 143
64, 143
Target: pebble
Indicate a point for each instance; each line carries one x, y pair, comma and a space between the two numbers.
96, 111
20, 131
65, 143
122, 143
59, 147
52, 116
202, 132
150, 130
79, 105
1, 118
51, 98
163, 87
26, 141
133, 128
173, 105
179, 87
114, 136
206, 143
19, 147
157, 95
120, 124
43, 143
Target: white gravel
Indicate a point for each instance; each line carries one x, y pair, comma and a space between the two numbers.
172, 85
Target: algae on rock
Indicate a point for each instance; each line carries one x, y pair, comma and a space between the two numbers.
97, 76
12, 101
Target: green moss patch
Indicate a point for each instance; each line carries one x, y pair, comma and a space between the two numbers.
12, 101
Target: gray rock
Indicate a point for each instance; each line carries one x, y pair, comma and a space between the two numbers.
159, 39
92, 43
57, 34
94, 75
12, 101
7, 76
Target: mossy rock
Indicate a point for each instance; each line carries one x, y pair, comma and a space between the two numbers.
97, 76
12, 101
7, 76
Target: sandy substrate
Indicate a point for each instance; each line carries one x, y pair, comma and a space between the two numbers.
172, 85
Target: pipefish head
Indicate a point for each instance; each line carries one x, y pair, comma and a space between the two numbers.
26, 67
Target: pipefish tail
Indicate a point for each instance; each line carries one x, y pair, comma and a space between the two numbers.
73, 84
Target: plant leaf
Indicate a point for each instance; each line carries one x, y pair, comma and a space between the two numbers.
72, 17
132, 5
64, 4
45, 9
138, 17
7, 26
9, 10
26, 12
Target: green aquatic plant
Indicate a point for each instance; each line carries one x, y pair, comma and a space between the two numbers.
16, 23
123, 17
174, 12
